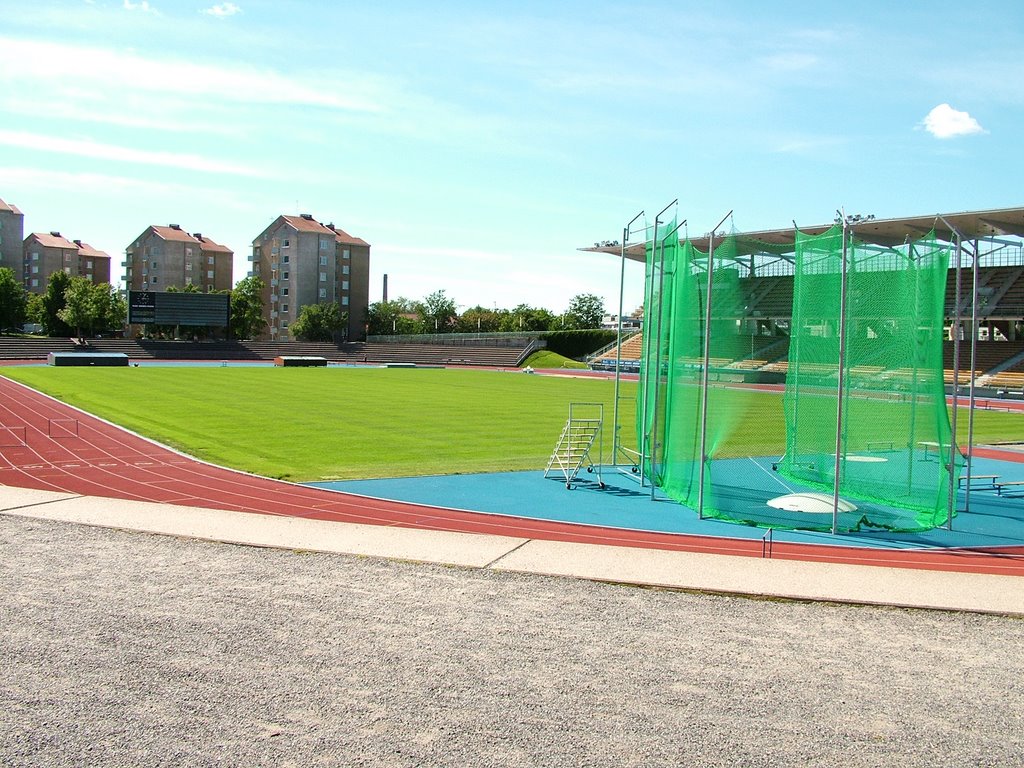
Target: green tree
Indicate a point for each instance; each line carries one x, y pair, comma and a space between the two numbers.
247, 308
53, 302
13, 303
79, 310
386, 318
585, 311
111, 308
35, 310
479, 320
526, 318
320, 322
438, 313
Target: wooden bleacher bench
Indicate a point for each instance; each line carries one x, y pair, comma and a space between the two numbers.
1016, 488
988, 482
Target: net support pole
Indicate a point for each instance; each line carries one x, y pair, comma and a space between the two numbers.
840, 378
955, 331
705, 377
974, 367
657, 375
646, 363
626, 231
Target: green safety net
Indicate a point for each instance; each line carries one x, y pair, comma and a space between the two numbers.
758, 443
894, 441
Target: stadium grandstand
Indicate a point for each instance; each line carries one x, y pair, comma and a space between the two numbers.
991, 241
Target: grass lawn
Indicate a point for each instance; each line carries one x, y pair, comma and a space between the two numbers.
338, 423
348, 423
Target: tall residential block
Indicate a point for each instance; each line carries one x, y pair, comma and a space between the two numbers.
44, 253
162, 257
302, 261
12, 234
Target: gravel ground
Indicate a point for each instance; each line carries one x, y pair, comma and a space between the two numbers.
130, 649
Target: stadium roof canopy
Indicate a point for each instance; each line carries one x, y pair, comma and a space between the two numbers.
971, 225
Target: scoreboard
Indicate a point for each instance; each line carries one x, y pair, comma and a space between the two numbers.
163, 308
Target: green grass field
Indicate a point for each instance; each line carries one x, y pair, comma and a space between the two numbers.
348, 423
337, 423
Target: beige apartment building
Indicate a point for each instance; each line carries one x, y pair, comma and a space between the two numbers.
44, 253
164, 257
302, 261
12, 234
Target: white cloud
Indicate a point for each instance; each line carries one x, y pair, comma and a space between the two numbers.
223, 10
66, 66
142, 5
92, 149
944, 122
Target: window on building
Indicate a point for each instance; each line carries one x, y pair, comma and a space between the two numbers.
284, 324
209, 259
323, 293
284, 307
284, 291
209, 274
188, 266
155, 280
346, 253
286, 243
344, 269
323, 277
35, 282
88, 263
344, 285
35, 269
285, 259
156, 265
344, 301
188, 251
67, 258
325, 245
67, 270
284, 276
323, 261
188, 281
209, 289
35, 255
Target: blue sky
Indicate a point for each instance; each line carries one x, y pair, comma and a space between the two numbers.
477, 146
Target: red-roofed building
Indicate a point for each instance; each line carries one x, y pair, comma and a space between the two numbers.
44, 253
12, 234
162, 257
302, 261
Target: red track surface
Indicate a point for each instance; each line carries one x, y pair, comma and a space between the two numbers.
39, 449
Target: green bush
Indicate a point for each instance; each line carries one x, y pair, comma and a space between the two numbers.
578, 344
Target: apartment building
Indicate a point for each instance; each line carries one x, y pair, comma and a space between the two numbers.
12, 234
44, 253
302, 261
162, 257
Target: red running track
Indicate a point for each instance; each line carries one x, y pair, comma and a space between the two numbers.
48, 445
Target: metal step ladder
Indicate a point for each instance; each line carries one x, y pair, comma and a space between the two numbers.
572, 453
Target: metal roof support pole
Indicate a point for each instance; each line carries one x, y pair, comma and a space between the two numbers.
646, 361
974, 368
841, 379
704, 378
626, 230
955, 332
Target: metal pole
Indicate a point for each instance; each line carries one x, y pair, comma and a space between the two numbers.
705, 371
840, 378
618, 339
649, 295
974, 367
955, 331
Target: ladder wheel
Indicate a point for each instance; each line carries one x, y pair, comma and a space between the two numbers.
601, 486
568, 486
590, 469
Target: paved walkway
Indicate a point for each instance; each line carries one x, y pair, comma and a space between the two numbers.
791, 579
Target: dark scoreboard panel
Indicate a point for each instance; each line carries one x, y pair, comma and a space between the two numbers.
164, 308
